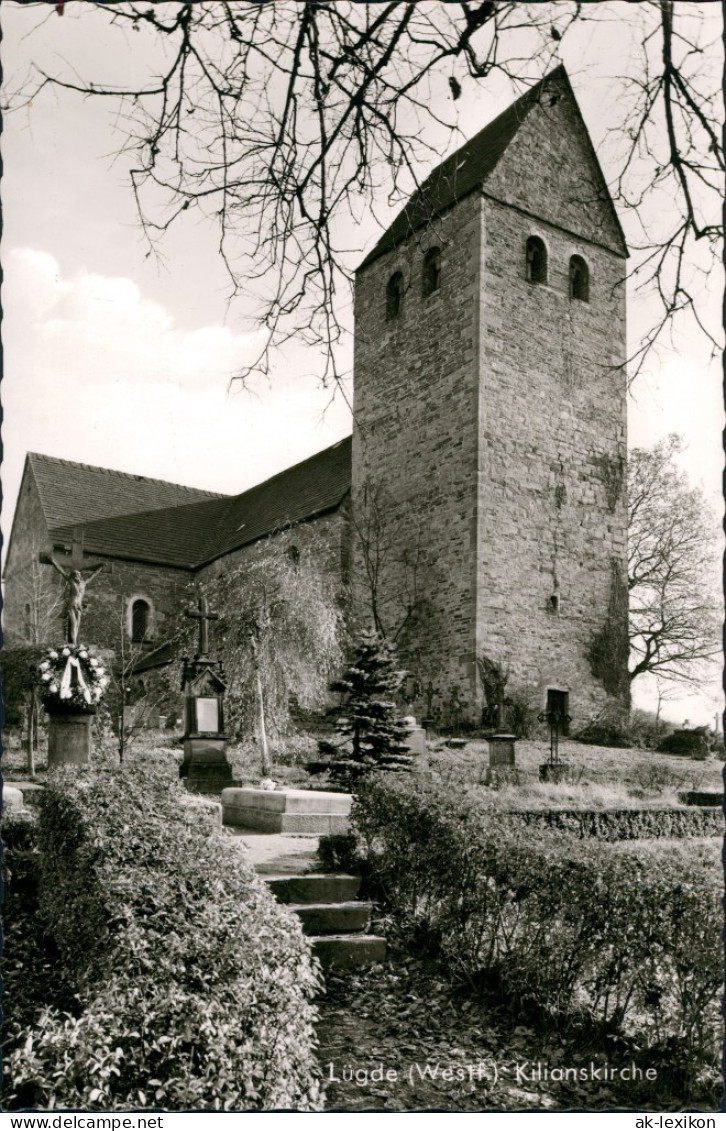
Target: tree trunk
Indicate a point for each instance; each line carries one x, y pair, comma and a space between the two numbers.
32, 735
266, 762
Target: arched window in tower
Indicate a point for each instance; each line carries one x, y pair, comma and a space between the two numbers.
536, 267
140, 621
394, 296
431, 274
579, 279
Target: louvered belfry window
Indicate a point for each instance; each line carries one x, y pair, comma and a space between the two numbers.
536, 266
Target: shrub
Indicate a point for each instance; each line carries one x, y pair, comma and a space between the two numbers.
192, 987
605, 732
552, 919
691, 742
646, 729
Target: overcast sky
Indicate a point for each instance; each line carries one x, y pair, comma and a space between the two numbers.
118, 360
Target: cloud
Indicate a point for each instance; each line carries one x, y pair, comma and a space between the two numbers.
96, 372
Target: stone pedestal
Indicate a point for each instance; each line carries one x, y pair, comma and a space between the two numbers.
501, 768
69, 740
501, 750
205, 767
301, 811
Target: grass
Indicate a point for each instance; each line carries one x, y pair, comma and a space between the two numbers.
599, 777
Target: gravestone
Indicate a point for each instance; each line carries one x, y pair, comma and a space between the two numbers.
205, 765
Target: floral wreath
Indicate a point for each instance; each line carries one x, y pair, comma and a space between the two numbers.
71, 679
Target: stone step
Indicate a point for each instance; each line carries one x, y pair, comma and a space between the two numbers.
348, 950
332, 918
313, 888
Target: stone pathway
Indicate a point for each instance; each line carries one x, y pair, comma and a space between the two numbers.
276, 852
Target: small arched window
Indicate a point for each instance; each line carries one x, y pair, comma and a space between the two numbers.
579, 279
140, 618
536, 266
293, 554
28, 622
394, 295
431, 274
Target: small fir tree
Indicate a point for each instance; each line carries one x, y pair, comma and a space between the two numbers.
370, 717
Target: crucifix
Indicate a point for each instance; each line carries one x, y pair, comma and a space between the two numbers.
202, 614
72, 568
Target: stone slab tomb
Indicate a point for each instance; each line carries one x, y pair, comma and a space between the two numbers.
302, 811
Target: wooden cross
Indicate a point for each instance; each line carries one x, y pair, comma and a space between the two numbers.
71, 567
203, 615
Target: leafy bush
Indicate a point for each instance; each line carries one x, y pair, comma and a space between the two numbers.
191, 988
605, 732
691, 742
550, 918
647, 730
19, 670
339, 852
620, 824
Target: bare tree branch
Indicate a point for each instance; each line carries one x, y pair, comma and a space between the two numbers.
284, 121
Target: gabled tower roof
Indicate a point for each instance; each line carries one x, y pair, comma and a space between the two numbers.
469, 167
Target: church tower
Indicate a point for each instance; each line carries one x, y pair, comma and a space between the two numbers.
489, 448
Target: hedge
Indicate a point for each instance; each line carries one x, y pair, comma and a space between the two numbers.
191, 988
562, 922
620, 824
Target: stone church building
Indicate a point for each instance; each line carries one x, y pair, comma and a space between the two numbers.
479, 507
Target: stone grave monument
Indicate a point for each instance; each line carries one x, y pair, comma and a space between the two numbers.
205, 766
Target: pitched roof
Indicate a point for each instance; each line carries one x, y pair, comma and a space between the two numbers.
312, 487
187, 537
73, 493
466, 169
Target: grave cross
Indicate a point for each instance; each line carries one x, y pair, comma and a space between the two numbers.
203, 615
554, 717
430, 691
71, 567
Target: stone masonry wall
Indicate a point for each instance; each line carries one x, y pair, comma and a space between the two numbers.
553, 518
111, 593
31, 597
415, 450
490, 419
552, 480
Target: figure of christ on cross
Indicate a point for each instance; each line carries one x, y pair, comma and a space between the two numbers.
202, 614
75, 584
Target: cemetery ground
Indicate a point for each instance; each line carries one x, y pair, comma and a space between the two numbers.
427, 1030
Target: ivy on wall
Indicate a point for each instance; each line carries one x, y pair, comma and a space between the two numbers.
609, 648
